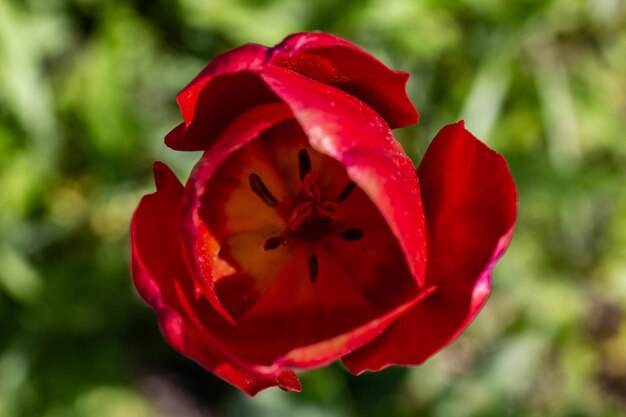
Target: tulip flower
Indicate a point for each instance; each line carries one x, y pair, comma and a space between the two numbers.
304, 234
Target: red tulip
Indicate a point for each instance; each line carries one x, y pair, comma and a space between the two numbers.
303, 234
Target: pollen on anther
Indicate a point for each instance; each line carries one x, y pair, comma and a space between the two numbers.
258, 187
272, 243
313, 268
352, 234
304, 163
347, 191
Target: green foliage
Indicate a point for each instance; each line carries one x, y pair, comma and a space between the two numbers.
87, 93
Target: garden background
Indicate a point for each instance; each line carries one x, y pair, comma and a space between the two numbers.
87, 92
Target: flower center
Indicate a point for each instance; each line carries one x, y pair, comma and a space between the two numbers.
308, 216
311, 215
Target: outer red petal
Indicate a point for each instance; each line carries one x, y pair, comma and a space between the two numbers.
346, 129
225, 88
230, 84
157, 267
337, 62
471, 207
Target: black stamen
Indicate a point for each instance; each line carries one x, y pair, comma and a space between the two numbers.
347, 191
304, 163
259, 188
352, 234
313, 268
272, 243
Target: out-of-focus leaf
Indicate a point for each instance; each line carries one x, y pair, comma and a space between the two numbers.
17, 276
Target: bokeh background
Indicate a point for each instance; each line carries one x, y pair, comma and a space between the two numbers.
87, 92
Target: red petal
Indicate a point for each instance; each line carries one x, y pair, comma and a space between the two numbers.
202, 248
337, 62
157, 268
344, 128
224, 89
326, 351
471, 207
229, 85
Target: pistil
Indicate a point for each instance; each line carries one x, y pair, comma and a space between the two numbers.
309, 215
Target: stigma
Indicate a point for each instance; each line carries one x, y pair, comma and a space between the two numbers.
310, 215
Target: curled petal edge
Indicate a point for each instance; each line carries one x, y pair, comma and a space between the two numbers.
383, 352
345, 66
177, 329
347, 130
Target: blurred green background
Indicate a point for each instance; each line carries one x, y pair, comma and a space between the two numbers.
87, 93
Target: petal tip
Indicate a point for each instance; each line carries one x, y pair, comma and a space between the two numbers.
163, 176
289, 382
175, 136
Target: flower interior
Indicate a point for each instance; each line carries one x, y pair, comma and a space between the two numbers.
310, 215
304, 254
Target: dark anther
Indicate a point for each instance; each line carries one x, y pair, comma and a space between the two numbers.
304, 163
272, 243
352, 234
313, 268
347, 191
259, 188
